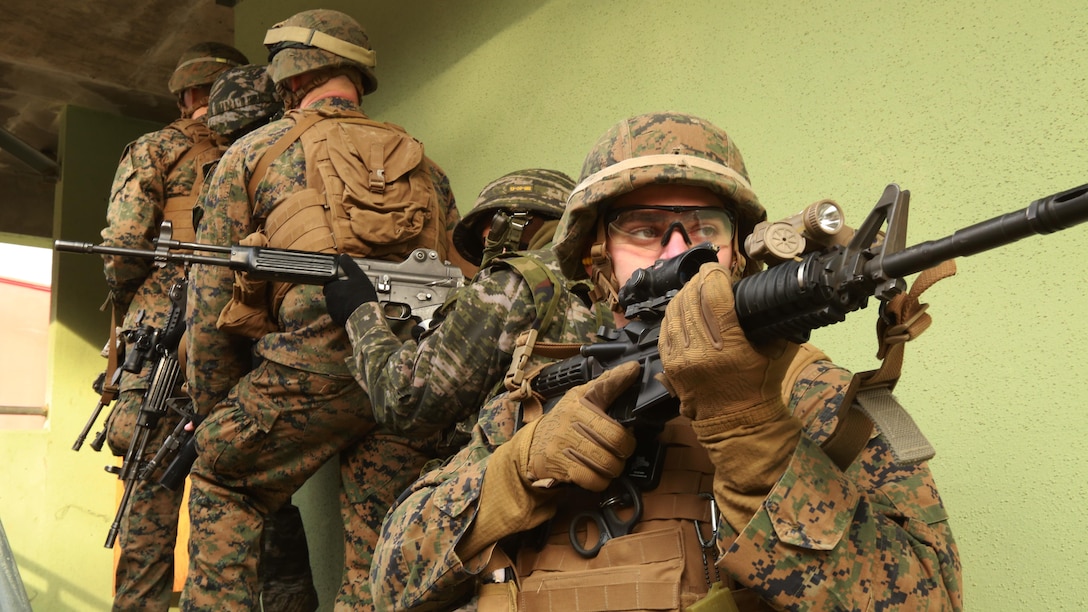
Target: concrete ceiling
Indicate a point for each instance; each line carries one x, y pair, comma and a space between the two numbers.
114, 56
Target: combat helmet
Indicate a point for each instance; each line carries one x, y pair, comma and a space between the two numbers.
534, 192
242, 99
654, 148
201, 63
317, 39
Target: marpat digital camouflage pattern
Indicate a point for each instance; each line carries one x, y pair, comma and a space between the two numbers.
147, 176
873, 537
269, 433
201, 63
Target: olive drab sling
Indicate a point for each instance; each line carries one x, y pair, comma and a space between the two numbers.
547, 290
369, 193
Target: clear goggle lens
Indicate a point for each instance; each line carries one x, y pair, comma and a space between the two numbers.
651, 227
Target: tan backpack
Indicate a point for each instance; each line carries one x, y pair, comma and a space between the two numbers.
367, 181
369, 193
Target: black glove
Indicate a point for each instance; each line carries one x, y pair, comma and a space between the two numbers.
344, 295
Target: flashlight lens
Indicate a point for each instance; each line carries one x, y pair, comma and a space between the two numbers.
829, 217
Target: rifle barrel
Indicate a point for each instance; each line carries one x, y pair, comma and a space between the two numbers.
1043, 216
87, 247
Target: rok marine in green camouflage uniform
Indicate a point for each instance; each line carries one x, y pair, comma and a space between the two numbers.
155, 180
270, 428
423, 387
747, 500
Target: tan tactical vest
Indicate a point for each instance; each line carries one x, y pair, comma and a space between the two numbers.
666, 563
178, 210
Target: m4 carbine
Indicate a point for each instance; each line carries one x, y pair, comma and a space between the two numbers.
417, 286
791, 298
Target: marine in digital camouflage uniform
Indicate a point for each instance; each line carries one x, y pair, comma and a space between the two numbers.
795, 531
420, 389
243, 99
299, 407
156, 172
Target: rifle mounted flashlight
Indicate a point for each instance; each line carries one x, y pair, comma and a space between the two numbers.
818, 226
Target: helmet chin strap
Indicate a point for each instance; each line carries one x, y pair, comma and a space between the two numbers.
605, 286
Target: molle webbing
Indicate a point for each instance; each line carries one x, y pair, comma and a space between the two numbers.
643, 578
301, 223
655, 567
178, 210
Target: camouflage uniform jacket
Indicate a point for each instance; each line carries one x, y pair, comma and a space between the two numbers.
308, 339
421, 387
145, 179
873, 537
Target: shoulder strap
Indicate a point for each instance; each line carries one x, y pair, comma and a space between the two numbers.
869, 401
273, 152
200, 137
546, 287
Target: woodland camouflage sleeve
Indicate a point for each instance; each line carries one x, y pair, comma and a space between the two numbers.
874, 537
420, 388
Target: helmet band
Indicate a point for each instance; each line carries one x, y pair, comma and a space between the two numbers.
321, 40
198, 60
663, 159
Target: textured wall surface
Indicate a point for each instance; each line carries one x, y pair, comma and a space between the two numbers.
976, 107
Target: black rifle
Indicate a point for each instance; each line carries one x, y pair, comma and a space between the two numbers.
790, 299
139, 340
106, 395
162, 345
416, 286
179, 448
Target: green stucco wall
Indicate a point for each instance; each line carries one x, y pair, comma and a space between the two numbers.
56, 504
976, 107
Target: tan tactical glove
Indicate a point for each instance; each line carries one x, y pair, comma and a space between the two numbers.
730, 390
709, 363
575, 442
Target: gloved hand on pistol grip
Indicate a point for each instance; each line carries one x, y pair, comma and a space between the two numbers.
709, 363
344, 295
576, 442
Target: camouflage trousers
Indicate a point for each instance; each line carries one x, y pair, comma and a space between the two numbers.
374, 472
276, 428
144, 575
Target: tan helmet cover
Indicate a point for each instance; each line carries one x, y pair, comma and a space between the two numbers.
316, 39
650, 149
200, 64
